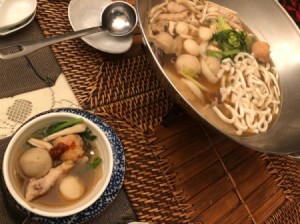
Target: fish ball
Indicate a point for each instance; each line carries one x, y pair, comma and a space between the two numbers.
71, 188
191, 47
205, 33
35, 162
182, 28
188, 64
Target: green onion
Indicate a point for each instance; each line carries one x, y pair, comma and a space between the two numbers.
93, 164
62, 125
88, 135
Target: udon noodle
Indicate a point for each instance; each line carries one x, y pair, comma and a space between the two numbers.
219, 60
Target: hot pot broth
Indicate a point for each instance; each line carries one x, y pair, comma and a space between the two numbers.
85, 166
216, 63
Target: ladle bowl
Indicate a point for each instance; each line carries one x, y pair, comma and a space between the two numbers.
118, 19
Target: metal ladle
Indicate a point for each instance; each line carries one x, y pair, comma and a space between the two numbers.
118, 19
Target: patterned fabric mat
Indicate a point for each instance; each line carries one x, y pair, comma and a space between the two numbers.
16, 110
124, 92
35, 71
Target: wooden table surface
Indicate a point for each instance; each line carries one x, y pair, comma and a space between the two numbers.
224, 181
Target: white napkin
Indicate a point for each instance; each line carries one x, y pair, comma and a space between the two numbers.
14, 111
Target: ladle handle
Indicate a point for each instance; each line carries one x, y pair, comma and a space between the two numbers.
27, 47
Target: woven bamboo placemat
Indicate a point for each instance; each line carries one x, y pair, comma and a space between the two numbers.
225, 182
124, 91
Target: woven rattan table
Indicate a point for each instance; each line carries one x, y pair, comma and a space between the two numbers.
182, 173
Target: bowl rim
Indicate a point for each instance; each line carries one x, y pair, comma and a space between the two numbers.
31, 10
32, 121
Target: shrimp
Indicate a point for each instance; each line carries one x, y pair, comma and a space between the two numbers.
72, 147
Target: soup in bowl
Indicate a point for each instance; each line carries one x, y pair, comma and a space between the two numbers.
58, 164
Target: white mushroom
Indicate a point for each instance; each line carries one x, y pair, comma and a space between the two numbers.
171, 27
40, 143
189, 4
156, 8
155, 15
193, 20
77, 128
173, 17
204, 12
174, 7
164, 41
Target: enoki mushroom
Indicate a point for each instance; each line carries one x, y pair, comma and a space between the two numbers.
249, 94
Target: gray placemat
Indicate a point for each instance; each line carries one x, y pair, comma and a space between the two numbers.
118, 212
34, 71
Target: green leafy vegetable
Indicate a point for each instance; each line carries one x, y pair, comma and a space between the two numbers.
231, 42
62, 125
222, 24
94, 163
222, 54
88, 135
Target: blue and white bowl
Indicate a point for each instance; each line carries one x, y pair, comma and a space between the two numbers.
11, 154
